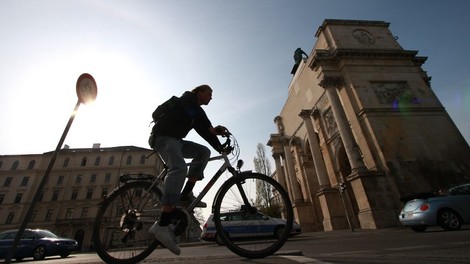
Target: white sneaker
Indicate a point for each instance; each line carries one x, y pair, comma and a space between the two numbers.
166, 236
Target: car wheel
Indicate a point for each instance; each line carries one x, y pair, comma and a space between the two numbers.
39, 253
420, 228
64, 255
449, 220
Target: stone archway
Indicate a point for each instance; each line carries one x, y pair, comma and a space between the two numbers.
344, 170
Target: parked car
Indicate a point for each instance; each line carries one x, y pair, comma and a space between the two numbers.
36, 243
258, 225
449, 209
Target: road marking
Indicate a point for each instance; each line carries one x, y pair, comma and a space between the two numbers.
302, 259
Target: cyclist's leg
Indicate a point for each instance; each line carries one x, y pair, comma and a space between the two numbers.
170, 149
200, 156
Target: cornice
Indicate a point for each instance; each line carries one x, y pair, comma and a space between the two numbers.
346, 22
322, 56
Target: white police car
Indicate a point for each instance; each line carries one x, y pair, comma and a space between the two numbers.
239, 227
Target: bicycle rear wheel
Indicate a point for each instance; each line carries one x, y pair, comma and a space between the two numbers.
120, 231
253, 215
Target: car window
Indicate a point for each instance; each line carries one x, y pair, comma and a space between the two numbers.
8, 235
45, 233
461, 190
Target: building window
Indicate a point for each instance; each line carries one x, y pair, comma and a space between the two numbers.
74, 194
97, 161
104, 192
2, 196
49, 215
69, 213
107, 178
84, 213
66, 162
1, 164
31, 164
78, 180
93, 178
60, 180
129, 160
18, 198
55, 195
15, 165
84, 159
10, 217
111, 160
25, 181
7, 182
89, 194
142, 159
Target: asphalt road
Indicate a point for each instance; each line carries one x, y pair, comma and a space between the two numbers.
396, 245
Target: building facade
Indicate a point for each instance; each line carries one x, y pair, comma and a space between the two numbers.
361, 128
74, 189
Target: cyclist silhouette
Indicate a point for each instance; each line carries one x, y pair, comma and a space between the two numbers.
167, 139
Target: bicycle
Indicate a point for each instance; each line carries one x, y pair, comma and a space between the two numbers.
120, 231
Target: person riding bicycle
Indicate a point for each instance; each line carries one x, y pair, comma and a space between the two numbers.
167, 139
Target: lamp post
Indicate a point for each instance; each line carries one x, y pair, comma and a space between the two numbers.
86, 92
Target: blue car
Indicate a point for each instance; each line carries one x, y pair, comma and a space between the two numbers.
36, 243
448, 209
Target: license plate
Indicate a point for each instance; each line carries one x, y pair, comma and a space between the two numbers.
408, 214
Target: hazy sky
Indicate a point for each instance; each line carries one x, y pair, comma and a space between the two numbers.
142, 52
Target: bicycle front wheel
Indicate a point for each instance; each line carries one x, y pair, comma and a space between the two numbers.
120, 231
253, 215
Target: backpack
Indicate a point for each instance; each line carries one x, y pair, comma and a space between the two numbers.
164, 108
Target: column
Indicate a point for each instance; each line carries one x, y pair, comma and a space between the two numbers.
330, 84
320, 167
291, 175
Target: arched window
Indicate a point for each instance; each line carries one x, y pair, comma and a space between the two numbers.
129, 160
10, 217
31, 164
142, 159
66, 162
15, 165
111, 160
97, 161
84, 160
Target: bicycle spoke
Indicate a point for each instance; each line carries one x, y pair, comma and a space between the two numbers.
253, 215
121, 228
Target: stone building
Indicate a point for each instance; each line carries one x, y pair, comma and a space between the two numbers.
70, 198
360, 114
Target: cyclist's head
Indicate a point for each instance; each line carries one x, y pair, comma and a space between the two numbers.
204, 94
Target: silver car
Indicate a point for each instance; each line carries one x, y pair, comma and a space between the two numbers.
450, 210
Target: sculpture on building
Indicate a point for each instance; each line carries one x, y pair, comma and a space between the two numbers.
298, 56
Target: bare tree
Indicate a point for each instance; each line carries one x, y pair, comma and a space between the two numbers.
264, 193
261, 161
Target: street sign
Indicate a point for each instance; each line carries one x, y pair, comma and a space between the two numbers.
86, 88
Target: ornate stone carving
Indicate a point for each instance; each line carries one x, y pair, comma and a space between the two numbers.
330, 122
364, 37
305, 113
393, 92
332, 81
